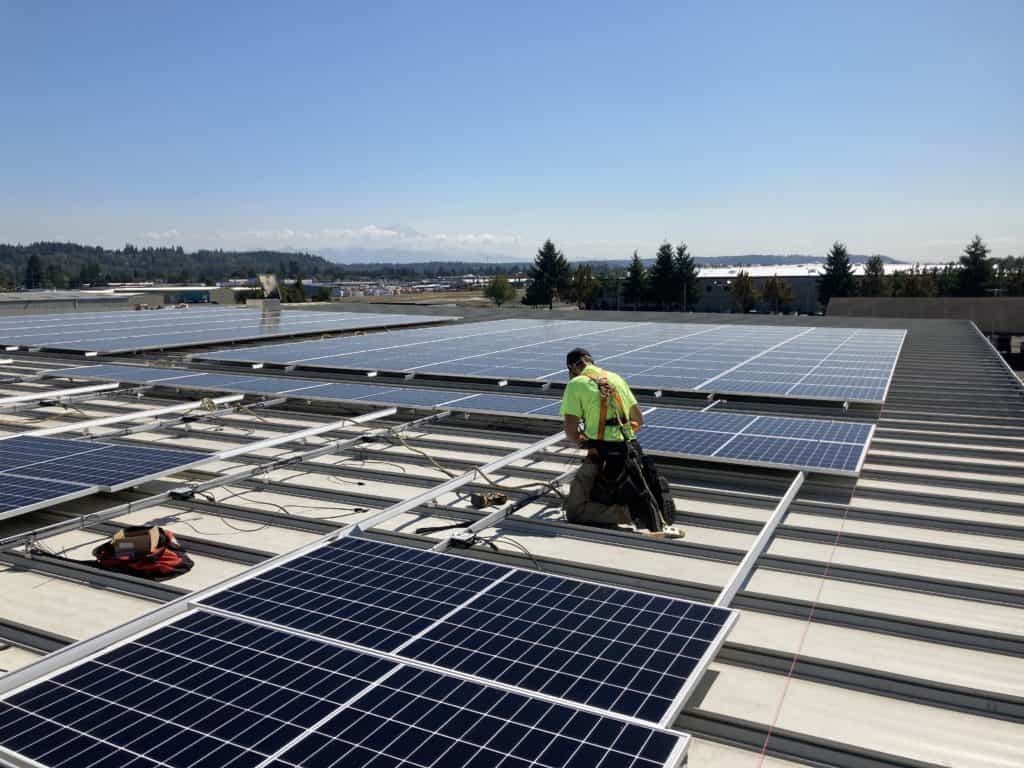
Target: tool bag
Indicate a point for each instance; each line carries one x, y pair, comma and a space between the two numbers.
146, 551
629, 478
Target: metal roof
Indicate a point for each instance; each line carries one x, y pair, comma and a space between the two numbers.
883, 625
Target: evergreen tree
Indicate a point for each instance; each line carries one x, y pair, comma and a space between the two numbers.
34, 272
778, 293
685, 284
662, 277
549, 276
583, 287
744, 295
499, 290
634, 289
975, 268
1009, 276
873, 283
913, 283
837, 278
947, 280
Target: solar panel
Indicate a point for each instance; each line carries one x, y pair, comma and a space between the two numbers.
376, 595
780, 361
314, 389
627, 652
42, 471
708, 436
419, 718
114, 332
112, 467
830, 447
210, 691
25, 494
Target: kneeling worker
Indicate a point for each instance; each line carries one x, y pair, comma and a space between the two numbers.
616, 484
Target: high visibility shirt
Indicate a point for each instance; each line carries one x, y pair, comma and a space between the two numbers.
582, 399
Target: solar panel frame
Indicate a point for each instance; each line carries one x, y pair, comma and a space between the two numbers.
709, 431
753, 443
499, 573
225, 689
21, 495
731, 361
122, 332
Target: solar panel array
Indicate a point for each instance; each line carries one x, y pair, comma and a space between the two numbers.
831, 447
846, 364
210, 691
42, 471
834, 447
626, 652
116, 332
314, 389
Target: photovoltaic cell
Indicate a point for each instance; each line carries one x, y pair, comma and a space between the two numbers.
794, 453
209, 691
372, 594
621, 651
685, 433
781, 361
419, 718
613, 649
29, 493
313, 389
37, 470
204, 692
114, 332
834, 447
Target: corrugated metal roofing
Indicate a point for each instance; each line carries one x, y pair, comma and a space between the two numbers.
883, 626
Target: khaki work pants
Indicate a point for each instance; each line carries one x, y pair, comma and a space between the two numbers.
578, 506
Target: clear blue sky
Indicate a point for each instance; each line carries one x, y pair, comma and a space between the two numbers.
737, 126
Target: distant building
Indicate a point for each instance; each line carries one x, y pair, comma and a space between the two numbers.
715, 284
49, 302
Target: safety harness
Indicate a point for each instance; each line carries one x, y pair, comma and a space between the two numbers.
607, 392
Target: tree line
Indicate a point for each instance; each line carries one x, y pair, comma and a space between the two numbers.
671, 281
70, 265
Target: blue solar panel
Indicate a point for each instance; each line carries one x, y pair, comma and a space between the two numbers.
23, 493
809, 454
716, 422
686, 442
835, 447
613, 649
112, 467
510, 404
757, 360
811, 429
419, 718
24, 450
376, 595
211, 691
617, 650
204, 692
34, 470
113, 332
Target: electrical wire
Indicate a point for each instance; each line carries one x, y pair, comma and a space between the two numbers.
551, 486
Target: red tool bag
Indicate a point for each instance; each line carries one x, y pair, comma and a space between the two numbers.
146, 551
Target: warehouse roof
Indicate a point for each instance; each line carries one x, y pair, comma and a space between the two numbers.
883, 626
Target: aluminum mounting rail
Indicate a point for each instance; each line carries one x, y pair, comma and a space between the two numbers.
104, 421
56, 395
187, 491
170, 610
455, 483
742, 573
467, 534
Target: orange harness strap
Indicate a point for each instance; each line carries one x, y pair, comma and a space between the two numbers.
604, 389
